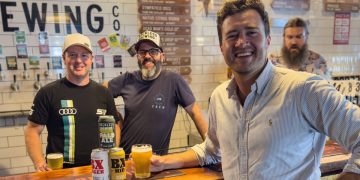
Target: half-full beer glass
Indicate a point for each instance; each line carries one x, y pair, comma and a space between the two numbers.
55, 160
141, 154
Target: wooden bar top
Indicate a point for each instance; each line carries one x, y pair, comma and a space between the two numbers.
334, 158
84, 173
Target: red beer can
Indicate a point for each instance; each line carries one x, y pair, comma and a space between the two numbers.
100, 164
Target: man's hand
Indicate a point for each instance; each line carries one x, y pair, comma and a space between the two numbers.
348, 176
156, 163
41, 167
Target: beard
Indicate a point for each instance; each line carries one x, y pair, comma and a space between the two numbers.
150, 74
295, 58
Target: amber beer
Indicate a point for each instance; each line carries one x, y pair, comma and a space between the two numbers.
141, 154
55, 161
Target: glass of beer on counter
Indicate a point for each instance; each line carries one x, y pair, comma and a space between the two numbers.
141, 154
55, 160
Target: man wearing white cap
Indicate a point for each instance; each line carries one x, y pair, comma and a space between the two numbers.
151, 96
69, 108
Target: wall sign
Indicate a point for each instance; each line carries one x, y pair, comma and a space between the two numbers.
341, 28
291, 5
171, 19
342, 5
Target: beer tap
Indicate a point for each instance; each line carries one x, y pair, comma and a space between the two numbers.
91, 71
2, 75
47, 72
25, 73
14, 86
102, 78
37, 84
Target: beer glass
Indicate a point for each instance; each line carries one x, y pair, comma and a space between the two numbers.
55, 160
141, 154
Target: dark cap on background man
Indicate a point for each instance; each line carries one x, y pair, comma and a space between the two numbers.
150, 37
77, 40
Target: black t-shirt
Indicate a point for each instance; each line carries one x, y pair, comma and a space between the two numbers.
150, 107
70, 113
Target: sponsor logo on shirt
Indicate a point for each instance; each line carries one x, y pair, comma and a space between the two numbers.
67, 108
31, 109
67, 111
159, 102
101, 112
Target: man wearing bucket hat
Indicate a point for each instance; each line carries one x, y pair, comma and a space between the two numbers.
69, 108
151, 96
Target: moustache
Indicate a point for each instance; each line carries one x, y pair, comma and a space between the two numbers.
148, 60
294, 47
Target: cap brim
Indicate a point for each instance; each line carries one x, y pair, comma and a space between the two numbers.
145, 40
82, 45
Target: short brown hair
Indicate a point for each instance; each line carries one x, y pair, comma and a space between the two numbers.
237, 6
297, 22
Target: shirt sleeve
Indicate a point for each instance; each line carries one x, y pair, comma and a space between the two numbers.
115, 86
39, 112
184, 95
330, 113
208, 152
111, 108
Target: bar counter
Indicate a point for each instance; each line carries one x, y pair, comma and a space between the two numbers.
333, 160
84, 173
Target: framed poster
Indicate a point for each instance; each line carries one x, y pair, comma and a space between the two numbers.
43, 43
20, 37
117, 60
21, 50
11, 63
56, 62
34, 62
341, 28
99, 61
103, 44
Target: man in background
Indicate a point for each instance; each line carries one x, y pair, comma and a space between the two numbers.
152, 96
69, 108
295, 53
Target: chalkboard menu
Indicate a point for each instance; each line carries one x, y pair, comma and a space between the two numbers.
342, 5
171, 19
291, 5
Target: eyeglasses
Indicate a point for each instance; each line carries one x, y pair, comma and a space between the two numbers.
153, 52
83, 56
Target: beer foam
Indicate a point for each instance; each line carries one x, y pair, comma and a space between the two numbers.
143, 148
54, 156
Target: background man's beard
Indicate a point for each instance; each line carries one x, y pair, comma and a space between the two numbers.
295, 59
150, 74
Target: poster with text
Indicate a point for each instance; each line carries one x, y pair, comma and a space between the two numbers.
99, 61
103, 44
20, 37
117, 60
56, 62
341, 28
34, 62
43, 43
11, 63
21, 50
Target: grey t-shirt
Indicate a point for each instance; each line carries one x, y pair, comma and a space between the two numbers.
150, 107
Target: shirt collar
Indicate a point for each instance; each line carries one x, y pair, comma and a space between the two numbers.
260, 83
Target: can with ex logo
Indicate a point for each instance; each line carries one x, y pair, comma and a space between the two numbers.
106, 131
100, 164
117, 163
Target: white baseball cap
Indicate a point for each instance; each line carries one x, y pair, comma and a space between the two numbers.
148, 36
77, 40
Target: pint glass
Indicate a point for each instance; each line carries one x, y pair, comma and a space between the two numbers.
141, 154
55, 160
